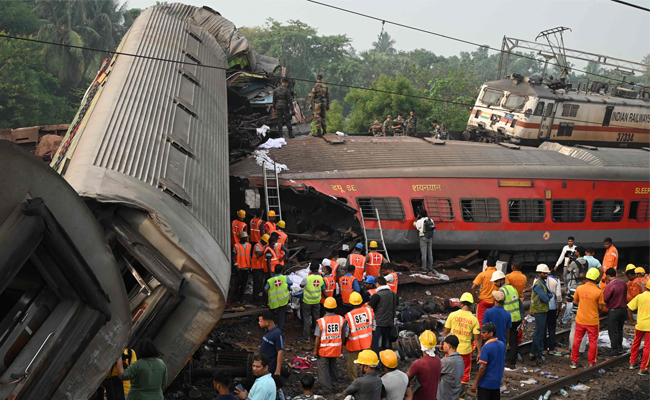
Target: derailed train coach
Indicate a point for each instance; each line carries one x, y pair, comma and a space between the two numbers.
134, 243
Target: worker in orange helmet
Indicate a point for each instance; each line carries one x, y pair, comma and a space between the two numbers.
238, 226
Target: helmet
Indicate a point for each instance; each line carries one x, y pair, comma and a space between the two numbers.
271, 213
355, 299
373, 245
330, 303
241, 214
367, 357
630, 267
639, 270
358, 246
370, 280
496, 275
428, 339
265, 237
543, 268
467, 297
593, 274
243, 234
326, 262
281, 224
388, 358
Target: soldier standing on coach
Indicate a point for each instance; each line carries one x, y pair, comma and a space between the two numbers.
388, 126
398, 125
283, 104
375, 128
320, 102
411, 124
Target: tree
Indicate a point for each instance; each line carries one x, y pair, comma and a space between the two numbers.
384, 44
457, 92
335, 118
18, 18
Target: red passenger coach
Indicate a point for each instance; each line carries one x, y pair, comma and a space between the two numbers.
481, 196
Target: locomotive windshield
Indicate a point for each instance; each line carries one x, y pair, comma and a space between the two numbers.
491, 96
515, 101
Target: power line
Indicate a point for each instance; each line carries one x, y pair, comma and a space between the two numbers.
454, 38
625, 3
296, 79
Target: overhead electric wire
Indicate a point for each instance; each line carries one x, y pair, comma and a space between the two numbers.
625, 3
294, 78
383, 20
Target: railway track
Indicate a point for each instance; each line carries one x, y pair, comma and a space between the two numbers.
524, 347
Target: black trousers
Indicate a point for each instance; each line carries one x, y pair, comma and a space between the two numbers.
513, 341
381, 339
551, 323
279, 315
242, 279
488, 394
258, 286
615, 322
284, 118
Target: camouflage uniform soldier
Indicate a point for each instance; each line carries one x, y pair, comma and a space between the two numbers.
388, 126
283, 104
412, 124
398, 125
320, 102
375, 128
436, 129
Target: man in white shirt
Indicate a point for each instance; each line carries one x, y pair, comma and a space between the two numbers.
563, 260
425, 228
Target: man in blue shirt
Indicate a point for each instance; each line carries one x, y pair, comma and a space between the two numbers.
492, 364
221, 383
499, 316
589, 256
272, 344
264, 386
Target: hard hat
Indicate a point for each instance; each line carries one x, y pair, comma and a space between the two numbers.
367, 357
373, 245
243, 234
543, 268
639, 270
241, 214
428, 339
496, 275
345, 247
593, 274
370, 279
326, 262
271, 213
358, 246
388, 358
630, 267
330, 303
467, 297
265, 237
281, 224
355, 299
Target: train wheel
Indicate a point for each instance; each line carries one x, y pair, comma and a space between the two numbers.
466, 136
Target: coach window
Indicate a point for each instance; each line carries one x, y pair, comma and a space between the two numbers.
639, 210
539, 110
608, 115
439, 208
568, 210
607, 210
389, 208
515, 101
526, 210
565, 129
549, 109
570, 110
491, 96
481, 210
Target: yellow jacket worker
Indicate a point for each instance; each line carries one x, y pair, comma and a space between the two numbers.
113, 384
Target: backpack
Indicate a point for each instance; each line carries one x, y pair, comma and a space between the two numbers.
429, 228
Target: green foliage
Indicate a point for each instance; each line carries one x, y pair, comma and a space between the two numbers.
457, 86
335, 117
18, 18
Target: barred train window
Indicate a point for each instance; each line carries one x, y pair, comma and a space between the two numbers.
607, 210
526, 210
390, 208
481, 210
439, 208
639, 210
568, 210
570, 110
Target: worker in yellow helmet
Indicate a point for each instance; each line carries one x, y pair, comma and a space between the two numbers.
427, 369
258, 263
590, 302
374, 260
634, 285
640, 274
640, 304
270, 226
395, 381
357, 331
329, 344
369, 385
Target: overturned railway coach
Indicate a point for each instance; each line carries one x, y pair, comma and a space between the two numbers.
480, 195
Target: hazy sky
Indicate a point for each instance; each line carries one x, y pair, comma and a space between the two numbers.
599, 26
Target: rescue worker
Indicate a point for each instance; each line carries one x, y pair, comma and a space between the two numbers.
518, 280
395, 381
539, 307
515, 307
374, 260
640, 304
330, 286
258, 266
499, 316
313, 286
283, 104
238, 225
242, 254
369, 385
427, 369
590, 302
270, 256
320, 102
328, 345
615, 297
116, 388
464, 325
610, 260
392, 279
357, 331
398, 125
269, 226
634, 285
384, 304
411, 124
387, 128
347, 285
369, 288
641, 276
280, 246
358, 261
375, 128
334, 266
256, 227
484, 281
277, 291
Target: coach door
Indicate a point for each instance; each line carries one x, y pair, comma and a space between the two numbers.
546, 123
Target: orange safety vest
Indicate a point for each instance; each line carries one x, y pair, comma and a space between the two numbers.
258, 262
331, 342
278, 250
274, 259
237, 227
330, 287
335, 267
371, 292
393, 285
243, 255
282, 237
346, 284
359, 263
360, 324
374, 263
611, 258
256, 235
270, 227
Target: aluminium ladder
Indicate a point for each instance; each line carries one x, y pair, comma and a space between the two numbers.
379, 233
272, 191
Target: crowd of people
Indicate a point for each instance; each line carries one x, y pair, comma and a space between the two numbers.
408, 126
